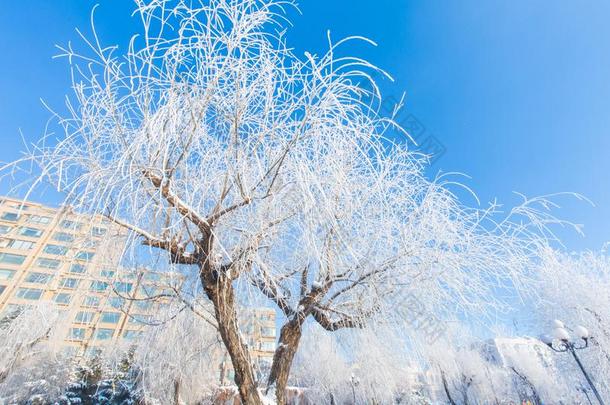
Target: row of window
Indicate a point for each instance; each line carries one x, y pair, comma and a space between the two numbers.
14, 204
11, 258
94, 302
24, 231
52, 264
68, 282
86, 317
101, 334
266, 331
59, 250
44, 220
37, 233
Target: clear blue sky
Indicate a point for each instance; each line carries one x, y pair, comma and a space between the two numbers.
517, 91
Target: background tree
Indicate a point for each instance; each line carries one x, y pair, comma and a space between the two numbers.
171, 372
575, 289
33, 365
262, 173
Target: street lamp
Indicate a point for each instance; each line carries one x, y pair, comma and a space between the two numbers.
560, 341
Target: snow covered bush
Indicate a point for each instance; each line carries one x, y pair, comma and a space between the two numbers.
178, 361
33, 363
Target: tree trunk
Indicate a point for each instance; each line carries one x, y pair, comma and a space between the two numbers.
220, 291
177, 391
446, 387
531, 386
290, 336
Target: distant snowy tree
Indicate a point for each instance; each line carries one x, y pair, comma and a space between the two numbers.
33, 365
97, 383
575, 289
171, 372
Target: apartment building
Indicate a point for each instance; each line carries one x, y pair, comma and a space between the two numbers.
260, 329
50, 254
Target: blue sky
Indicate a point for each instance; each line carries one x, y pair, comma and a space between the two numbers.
517, 92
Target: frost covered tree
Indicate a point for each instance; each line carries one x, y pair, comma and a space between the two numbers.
29, 348
169, 372
370, 365
575, 289
266, 174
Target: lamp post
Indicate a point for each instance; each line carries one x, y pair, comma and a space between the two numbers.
354, 382
560, 341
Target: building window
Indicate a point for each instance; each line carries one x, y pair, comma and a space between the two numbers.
268, 332
29, 293
19, 244
149, 290
55, 250
137, 319
30, 232
11, 258
111, 317
104, 334
143, 305
98, 231
67, 224
132, 334
62, 298
90, 244
4, 229
99, 286
87, 256
76, 334
10, 216
267, 346
2, 288
128, 275
38, 219
77, 268
6, 274
84, 317
107, 273
116, 302
19, 206
122, 287
38, 278
91, 302
69, 283
152, 276
47, 263
63, 237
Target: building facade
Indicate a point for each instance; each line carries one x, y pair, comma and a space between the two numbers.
55, 254
73, 260
259, 327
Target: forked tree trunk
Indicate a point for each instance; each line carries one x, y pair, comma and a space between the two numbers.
290, 336
220, 291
